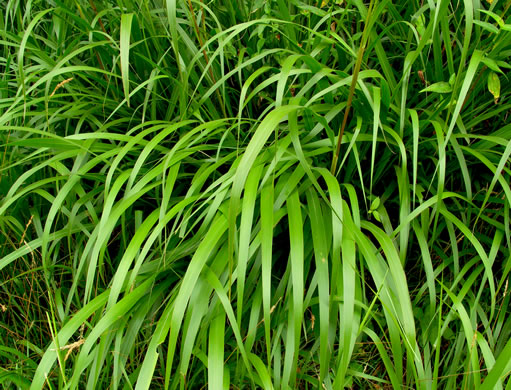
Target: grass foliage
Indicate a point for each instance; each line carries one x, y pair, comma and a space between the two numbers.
255, 194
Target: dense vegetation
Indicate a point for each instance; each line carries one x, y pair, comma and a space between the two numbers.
255, 194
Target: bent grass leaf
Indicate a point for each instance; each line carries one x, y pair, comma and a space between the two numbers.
124, 45
440, 87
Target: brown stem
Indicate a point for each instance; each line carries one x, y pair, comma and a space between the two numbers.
197, 32
473, 86
358, 64
93, 6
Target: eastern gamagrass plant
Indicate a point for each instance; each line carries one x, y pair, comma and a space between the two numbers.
261, 194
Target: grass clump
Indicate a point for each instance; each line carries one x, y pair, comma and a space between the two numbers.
255, 194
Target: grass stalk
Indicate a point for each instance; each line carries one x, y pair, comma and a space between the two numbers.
356, 70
